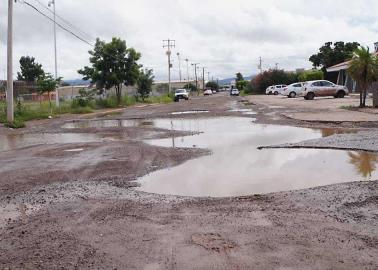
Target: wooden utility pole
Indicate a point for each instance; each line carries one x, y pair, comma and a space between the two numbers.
195, 73
10, 114
169, 44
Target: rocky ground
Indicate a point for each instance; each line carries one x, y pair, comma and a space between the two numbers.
77, 210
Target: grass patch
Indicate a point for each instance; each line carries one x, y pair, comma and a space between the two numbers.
81, 110
350, 108
34, 110
158, 99
15, 124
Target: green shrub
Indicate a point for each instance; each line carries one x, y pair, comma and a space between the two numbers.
128, 100
311, 75
110, 102
82, 110
15, 124
159, 99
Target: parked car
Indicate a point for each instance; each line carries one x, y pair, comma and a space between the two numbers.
275, 89
269, 90
181, 94
293, 90
323, 88
235, 92
207, 92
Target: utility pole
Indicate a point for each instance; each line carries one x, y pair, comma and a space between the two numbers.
52, 2
208, 76
203, 78
169, 44
187, 69
195, 73
10, 114
178, 56
260, 64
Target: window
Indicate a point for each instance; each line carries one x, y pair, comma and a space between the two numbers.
326, 84
316, 84
297, 85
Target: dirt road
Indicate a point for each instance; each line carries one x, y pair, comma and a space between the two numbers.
72, 206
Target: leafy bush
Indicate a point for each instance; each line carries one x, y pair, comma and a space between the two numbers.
128, 100
191, 87
272, 77
110, 102
15, 124
82, 110
212, 85
311, 75
84, 99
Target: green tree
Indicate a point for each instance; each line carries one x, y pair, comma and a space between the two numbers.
242, 85
112, 65
333, 53
311, 75
145, 81
47, 84
190, 87
239, 77
30, 70
272, 77
363, 68
212, 85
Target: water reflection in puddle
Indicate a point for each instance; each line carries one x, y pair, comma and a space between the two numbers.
190, 112
109, 123
236, 167
17, 141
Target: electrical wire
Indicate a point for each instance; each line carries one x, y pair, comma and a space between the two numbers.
65, 21
58, 24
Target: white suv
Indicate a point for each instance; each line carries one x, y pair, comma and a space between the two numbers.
275, 89
181, 94
293, 90
323, 88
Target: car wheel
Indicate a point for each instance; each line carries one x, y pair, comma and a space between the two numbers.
310, 96
275, 93
292, 95
340, 94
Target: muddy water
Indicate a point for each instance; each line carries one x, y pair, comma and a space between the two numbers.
9, 142
236, 167
108, 123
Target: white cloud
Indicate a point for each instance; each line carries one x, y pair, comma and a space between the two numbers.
225, 36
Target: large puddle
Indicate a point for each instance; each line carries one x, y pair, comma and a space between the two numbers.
17, 141
237, 168
108, 123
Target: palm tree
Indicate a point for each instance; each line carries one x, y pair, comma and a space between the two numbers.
363, 69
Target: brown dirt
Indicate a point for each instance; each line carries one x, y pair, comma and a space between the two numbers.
75, 210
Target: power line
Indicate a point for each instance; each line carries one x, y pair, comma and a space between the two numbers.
58, 24
65, 21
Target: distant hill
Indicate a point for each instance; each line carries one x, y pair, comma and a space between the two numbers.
229, 80
77, 82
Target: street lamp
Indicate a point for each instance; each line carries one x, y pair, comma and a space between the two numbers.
178, 56
52, 2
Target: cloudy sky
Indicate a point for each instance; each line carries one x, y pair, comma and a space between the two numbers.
223, 35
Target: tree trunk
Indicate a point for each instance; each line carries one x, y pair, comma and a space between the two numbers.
361, 104
118, 94
375, 95
48, 93
365, 94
